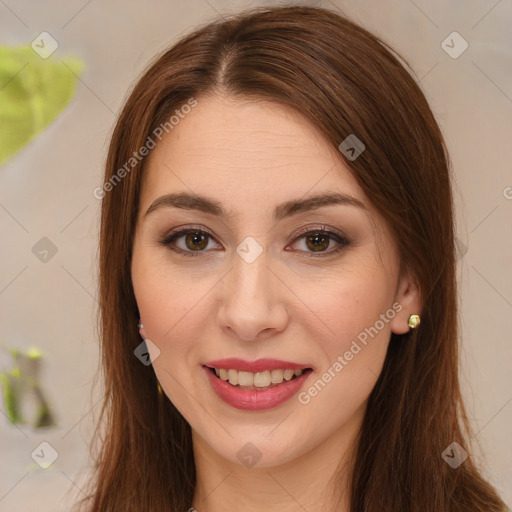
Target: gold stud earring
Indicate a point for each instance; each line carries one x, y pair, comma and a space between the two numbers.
414, 321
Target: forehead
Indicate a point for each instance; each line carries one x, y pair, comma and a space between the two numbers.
251, 147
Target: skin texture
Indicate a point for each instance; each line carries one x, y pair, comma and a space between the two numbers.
251, 156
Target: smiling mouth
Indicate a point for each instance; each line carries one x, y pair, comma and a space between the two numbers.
258, 381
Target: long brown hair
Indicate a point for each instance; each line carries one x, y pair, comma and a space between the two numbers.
345, 81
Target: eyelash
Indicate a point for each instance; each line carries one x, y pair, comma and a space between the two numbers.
337, 237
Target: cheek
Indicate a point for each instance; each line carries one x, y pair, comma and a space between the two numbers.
165, 296
173, 306
167, 301
357, 311
350, 305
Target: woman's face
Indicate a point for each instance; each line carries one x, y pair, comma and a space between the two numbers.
256, 286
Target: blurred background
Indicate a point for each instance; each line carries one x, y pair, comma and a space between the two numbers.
461, 52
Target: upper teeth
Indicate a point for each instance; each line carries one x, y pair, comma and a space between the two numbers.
258, 379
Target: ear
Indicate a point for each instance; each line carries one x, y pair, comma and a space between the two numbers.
141, 330
408, 296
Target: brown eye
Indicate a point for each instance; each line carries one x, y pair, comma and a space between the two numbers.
196, 241
317, 242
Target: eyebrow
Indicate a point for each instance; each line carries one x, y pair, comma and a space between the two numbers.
204, 204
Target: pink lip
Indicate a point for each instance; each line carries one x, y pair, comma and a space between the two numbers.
260, 365
255, 400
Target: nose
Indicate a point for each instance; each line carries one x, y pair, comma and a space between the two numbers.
253, 301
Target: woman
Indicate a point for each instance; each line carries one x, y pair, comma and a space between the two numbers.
277, 226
